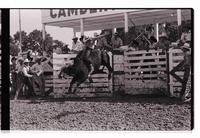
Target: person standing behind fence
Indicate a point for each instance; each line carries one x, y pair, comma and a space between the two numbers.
28, 81
186, 35
13, 71
116, 41
76, 45
38, 69
65, 49
184, 65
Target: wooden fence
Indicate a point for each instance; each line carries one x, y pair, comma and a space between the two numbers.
99, 88
135, 72
140, 72
175, 57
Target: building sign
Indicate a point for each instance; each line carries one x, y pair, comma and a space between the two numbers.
73, 12
56, 15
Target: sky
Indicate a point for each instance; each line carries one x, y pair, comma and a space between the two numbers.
31, 20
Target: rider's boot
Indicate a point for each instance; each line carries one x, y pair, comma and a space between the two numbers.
91, 70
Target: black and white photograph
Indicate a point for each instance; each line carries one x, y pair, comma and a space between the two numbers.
101, 69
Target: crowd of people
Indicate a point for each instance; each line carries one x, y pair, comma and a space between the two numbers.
25, 74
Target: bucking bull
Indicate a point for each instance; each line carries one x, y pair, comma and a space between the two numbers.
79, 70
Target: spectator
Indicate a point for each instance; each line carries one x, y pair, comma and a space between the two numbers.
34, 52
96, 41
29, 55
76, 45
13, 72
20, 65
65, 49
82, 41
54, 49
38, 69
13, 64
186, 35
58, 50
28, 80
186, 66
116, 41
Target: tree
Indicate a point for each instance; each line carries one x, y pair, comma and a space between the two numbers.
58, 43
14, 49
34, 40
24, 39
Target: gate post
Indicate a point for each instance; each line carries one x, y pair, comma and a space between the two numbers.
118, 72
170, 67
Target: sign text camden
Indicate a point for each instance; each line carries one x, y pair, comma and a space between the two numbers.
60, 13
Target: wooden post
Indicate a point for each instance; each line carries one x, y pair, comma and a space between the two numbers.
20, 34
156, 32
74, 32
43, 38
119, 76
126, 22
179, 22
81, 26
170, 67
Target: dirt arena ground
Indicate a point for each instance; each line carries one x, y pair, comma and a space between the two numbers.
130, 113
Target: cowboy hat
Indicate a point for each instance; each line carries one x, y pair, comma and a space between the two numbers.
13, 58
20, 59
74, 38
26, 61
186, 46
116, 33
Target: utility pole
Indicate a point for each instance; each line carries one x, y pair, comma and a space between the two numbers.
20, 35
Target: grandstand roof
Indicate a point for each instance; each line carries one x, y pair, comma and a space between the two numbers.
98, 19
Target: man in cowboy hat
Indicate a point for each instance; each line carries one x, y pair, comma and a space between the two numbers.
13, 71
186, 66
28, 77
38, 69
116, 41
76, 45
